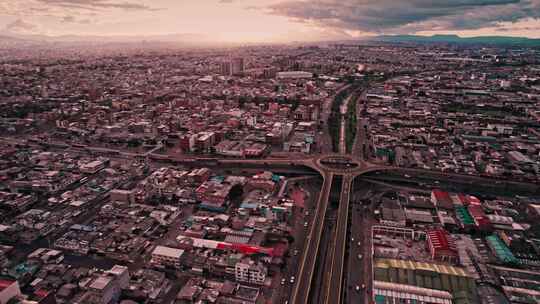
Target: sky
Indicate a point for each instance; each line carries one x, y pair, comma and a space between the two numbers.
270, 20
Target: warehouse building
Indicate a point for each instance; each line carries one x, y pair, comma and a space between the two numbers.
426, 275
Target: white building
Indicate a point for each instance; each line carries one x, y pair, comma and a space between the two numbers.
104, 289
294, 75
122, 275
93, 166
167, 256
250, 272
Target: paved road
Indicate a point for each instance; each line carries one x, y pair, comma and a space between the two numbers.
299, 233
311, 162
300, 292
360, 271
342, 149
342, 146
334, 274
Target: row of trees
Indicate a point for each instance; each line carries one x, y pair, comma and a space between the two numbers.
350, 127
335, 116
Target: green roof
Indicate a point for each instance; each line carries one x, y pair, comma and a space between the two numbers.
464, 216
501, 250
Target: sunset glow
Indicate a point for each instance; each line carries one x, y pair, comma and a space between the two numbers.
268, 20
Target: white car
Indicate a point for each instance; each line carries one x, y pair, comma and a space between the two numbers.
292, 280
305, 224
359, 256
357, 288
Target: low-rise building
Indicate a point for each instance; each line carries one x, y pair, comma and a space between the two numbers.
441, 246
250, 272
166, 256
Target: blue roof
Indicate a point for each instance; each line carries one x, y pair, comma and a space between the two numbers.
249, 205
218, 178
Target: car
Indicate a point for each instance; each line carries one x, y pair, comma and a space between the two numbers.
352, 239
295, 252
359, 243
357, 288
282, 281
307, 213
363, 286
359, 256
292, 280
305, 224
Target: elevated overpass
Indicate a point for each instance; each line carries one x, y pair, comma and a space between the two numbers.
333, 281
301, 290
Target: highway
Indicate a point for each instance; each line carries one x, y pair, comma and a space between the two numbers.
313, 162
342, 146
342, 149
301, 290
361, 270
333, 276
325, 144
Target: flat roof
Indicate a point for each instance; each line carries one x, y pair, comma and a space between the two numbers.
101, 282
168, 251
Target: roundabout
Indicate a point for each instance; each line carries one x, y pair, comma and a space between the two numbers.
339, 163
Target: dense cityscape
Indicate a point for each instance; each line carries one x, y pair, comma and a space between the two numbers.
371, 172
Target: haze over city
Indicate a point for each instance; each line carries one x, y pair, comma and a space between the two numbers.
269, 20
269, 151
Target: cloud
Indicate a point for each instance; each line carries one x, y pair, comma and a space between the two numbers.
68, 19
226, 1
20, 26
407, 15
59, 8
73, 19
97, 4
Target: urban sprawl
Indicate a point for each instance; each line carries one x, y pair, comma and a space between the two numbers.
332, 173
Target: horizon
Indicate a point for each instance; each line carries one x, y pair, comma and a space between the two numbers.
269, 21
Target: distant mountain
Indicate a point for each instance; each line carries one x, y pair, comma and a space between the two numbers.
492, 40
177, 38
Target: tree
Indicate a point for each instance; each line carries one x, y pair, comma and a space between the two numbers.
236, 192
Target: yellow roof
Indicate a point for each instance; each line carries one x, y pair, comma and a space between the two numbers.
407, 264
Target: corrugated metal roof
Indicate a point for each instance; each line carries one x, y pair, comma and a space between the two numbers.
464, 216
501, 250
407, 264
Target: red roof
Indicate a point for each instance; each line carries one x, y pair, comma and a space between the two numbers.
440, 240
479, 216
463, 198
473, 200
442, 198
5, 284
476, 211
41, 293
